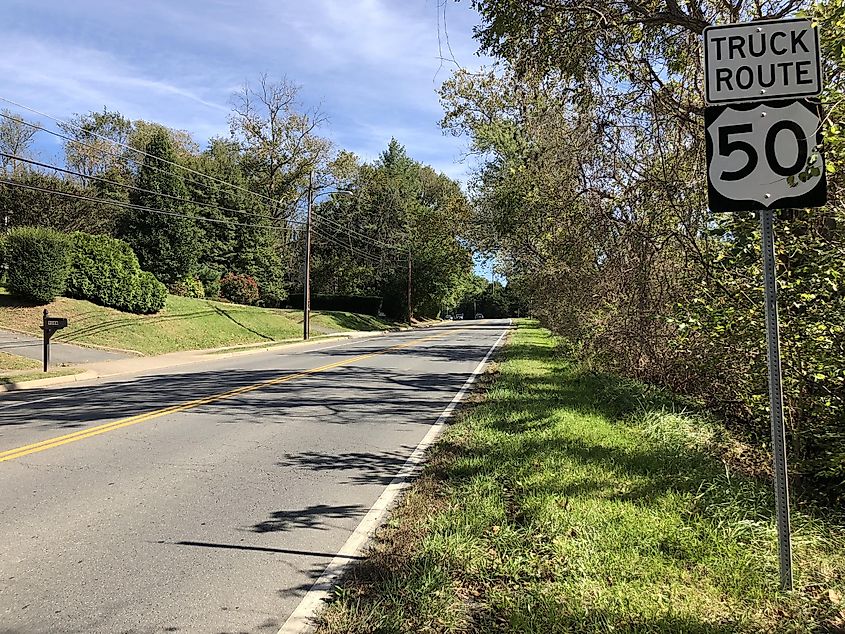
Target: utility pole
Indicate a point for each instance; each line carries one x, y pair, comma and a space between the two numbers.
306, 295
409, 286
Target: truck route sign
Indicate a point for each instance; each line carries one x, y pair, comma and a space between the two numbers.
757, 61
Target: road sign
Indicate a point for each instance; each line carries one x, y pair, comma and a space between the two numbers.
755, 61
765, 156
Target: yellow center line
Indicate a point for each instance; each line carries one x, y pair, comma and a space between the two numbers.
19, 452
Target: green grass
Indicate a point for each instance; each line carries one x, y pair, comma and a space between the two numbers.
564, 501
184, 324
13, 362
19, 377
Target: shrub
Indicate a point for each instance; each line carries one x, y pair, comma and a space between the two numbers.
212, 289
240, 289
210, 278
39, 263
189, 287
103, 270
150, 295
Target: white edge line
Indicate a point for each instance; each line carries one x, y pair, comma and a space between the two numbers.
301, 619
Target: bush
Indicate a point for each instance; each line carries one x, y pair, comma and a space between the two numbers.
212, 289
189, 287
104, 270
240, 289
362, 304
150, 295
39, 263
210, 278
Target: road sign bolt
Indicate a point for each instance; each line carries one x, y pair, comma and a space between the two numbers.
762, 91
762, 114
768, 195
759, 29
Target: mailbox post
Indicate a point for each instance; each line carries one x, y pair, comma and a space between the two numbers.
49, 326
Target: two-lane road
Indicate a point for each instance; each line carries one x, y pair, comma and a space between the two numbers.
209, 499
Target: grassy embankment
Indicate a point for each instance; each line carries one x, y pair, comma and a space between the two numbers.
569, 502
14, 368
184, 324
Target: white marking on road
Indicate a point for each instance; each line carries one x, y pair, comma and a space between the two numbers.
301, 619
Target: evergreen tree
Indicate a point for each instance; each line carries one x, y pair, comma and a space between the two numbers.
166, 245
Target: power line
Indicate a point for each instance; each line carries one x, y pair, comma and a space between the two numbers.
348, 247
165, 161
354, 250
133, 187
118, 203
142, 152
106, 152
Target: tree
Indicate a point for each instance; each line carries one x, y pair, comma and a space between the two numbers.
248, 243
399, 207
166, 245
590, 143
16, 137
94, 145
278, 141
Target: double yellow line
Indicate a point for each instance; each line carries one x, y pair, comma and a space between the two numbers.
19, 452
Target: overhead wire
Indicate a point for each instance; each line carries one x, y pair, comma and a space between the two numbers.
118, 203
61, 122
143, 153
132, 187
106, 152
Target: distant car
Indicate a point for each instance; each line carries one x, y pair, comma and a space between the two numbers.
448, 317
479, 316
459, 316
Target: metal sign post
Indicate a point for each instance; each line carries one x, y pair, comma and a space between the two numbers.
764, 152
776, 400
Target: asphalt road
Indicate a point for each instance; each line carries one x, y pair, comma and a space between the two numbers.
219, 515
33, 348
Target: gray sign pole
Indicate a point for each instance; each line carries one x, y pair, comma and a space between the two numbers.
776, 400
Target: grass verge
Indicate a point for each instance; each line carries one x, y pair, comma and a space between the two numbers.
184, 324
16, 363
17, 377
564, 501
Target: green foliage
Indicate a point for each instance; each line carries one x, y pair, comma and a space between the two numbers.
239, 288
210, 278
596, 201
166, 245
103, 270
150, 294
28, 207
407, 208
39, 263
189, 287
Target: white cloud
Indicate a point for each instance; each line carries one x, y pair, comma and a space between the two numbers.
371, 63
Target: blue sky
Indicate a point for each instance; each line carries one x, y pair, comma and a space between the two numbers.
371, 65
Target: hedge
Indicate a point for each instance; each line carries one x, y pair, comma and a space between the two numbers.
105, 270
39, 263
150, 294
362, 304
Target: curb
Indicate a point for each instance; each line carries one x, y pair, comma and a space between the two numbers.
208, 355
53, 380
